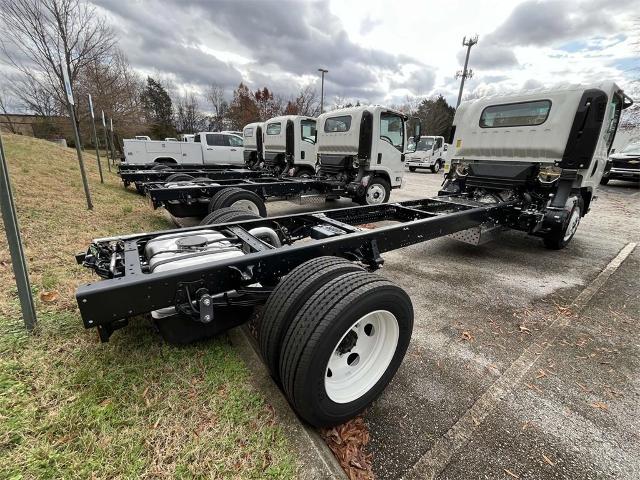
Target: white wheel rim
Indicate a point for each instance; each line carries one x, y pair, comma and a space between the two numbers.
361, 356
375, 194
574, 221
436, 167
246, 205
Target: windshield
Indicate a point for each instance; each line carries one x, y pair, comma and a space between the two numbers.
425, 144
632, 148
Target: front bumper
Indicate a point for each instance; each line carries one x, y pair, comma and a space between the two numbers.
624, 173
419, 163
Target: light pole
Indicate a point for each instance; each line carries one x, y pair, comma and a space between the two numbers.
470, 42
322, 72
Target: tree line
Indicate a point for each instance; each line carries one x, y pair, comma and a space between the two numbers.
41, 37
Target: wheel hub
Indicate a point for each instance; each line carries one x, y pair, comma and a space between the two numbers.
362, 356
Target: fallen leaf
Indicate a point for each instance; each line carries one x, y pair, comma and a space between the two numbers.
524, 329
548, 460
509, 472
49, 297
467, 336
600, 406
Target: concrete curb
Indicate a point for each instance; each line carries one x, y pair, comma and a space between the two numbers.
316, 459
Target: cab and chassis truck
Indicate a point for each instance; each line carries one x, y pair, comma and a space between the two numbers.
332, 332
359, 156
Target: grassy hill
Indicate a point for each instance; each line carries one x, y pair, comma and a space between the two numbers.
134, 407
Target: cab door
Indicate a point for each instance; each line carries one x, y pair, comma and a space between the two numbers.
391, 146
215, 150
234, 146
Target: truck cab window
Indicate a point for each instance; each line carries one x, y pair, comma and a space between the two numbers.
274, 128
424, 144
248, 132
233, 141
196, 139
615, 109
308, 130
337, 124
521, 114
392, 129
216, 140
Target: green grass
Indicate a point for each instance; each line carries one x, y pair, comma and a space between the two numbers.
134, 407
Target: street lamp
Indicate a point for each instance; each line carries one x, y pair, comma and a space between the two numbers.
322, 72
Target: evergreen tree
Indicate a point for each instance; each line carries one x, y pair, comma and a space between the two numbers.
158, 109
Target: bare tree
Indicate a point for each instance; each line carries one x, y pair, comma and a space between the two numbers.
220, 106
189, 117
40, 35
307, 102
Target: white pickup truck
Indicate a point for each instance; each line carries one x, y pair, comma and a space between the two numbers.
206, 148
430, 152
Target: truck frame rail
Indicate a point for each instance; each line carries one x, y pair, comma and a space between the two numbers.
359, 234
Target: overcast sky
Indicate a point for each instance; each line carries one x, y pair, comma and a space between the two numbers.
378, 51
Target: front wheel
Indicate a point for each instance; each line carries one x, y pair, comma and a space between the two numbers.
435, 168
344, 346
561, 238
378, 191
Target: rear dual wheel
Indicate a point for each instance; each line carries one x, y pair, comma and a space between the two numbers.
240, 199
341, 344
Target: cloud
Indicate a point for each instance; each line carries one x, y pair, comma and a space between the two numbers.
419, 83
547, 22
288, 39
489, 57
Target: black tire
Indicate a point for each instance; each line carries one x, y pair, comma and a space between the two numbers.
412, 169
559, 239
304, 173
225, 215
376, 184
228, 196
179, 177
315, 332
288, 297
140, 188
201, 179
604, 180
435, 168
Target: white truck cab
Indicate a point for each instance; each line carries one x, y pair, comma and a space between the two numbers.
546, 149
430, 152
206, 148
253, 137
364, 146
218, 147
290, 145
142, 137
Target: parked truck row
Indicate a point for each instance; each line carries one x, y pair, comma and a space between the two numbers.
332, 333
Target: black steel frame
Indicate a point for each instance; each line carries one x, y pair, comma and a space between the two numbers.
104, 304
124, 166
189, 200
146, 176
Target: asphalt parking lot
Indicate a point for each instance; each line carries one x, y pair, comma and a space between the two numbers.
505, 378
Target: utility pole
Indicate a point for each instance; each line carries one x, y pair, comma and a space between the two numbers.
72, 114
18, 262
464, 74
322, 72
106, 139
95, 138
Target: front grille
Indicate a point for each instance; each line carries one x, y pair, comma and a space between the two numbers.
633, 163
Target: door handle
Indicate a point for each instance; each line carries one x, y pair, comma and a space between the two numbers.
233, 150
209, 148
